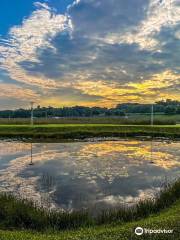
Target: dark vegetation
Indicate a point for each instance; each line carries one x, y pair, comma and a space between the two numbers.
22, 214
83, 131
168, 107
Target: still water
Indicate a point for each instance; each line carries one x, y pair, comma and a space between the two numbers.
87, 174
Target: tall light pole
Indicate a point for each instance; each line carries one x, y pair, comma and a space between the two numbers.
32, 113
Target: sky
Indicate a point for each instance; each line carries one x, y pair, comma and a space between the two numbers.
88, 52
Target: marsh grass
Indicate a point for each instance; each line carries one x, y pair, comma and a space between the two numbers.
141, 119
169, 194
23, 214
82, 131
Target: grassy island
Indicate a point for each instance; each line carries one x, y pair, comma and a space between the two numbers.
81, 131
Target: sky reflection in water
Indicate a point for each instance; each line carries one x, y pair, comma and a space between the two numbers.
87, 174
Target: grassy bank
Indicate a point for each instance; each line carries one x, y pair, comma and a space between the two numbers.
162, 212
133, 119
81, 131
167, 219
22, 214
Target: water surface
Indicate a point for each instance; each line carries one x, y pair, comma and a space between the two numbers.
87, 174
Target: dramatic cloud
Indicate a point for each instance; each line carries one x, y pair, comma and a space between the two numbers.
24, 42
159, 14
97, 53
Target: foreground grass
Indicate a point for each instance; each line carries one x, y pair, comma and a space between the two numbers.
81, 131
167, 219
161, 212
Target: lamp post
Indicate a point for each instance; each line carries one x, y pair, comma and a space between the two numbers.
32, 113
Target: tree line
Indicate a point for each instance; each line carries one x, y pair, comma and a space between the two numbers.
165, 107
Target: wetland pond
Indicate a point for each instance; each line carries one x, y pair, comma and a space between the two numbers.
94, 175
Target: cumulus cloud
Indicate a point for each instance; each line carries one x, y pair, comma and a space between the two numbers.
96, 18
112, 50
159, 14
24, 41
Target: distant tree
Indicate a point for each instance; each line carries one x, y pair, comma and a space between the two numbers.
178, 110
168, 107
170, 110
117, 112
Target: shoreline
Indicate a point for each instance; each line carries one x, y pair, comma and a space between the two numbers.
67, 132
38, 219
167, 140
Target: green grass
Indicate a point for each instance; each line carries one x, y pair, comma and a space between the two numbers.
81, 131
167, 219
21, 220
137, 119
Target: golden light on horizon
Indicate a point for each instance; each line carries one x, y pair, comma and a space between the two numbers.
111, 94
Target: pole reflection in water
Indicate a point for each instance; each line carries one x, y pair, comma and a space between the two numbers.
31, 161
152, 152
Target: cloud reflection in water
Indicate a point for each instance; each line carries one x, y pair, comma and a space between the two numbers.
84, 174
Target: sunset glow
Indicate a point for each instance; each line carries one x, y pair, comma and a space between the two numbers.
90, 53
